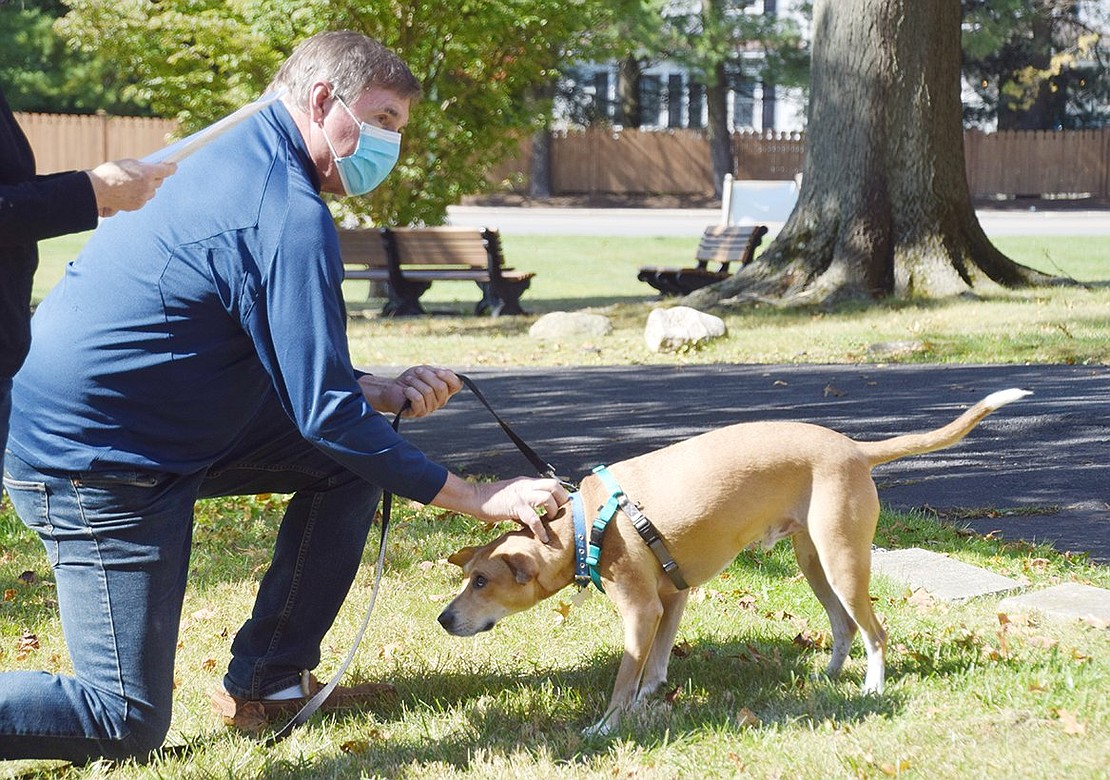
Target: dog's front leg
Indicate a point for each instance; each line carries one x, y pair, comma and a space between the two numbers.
641, 624
655, 674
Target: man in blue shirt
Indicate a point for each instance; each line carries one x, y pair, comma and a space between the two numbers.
197, 348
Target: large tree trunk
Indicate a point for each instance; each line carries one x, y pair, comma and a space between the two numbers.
884, 207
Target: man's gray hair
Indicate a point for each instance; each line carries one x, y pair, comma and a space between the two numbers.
350, 62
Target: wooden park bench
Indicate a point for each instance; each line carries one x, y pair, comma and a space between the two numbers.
721, 245
408, 260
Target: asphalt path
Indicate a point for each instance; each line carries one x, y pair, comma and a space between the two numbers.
1036, 469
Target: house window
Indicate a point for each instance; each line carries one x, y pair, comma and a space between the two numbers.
697, 104
603, 106
674, 100
743, 107
651, 100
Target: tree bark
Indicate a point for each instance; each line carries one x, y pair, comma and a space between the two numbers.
720, 140
884, 208
628, 92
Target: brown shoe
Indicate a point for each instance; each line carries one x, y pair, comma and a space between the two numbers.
254, 714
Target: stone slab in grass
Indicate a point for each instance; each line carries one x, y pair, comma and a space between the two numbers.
1067, 601
945, 578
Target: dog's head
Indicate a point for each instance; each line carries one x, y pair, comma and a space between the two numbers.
501, 579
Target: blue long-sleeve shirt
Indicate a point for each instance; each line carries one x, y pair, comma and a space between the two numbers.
177, 321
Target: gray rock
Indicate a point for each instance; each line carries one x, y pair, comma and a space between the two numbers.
669, 330
565, 325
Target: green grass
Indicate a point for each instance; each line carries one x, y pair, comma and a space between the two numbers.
966, 696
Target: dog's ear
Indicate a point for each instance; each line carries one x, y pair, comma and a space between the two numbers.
462, 557
523, 567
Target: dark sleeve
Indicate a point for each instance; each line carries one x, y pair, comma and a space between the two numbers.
46, 206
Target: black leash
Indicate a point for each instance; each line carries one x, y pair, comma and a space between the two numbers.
545, 470
542, 467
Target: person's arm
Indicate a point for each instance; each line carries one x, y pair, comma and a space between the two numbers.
62, 203
46, 206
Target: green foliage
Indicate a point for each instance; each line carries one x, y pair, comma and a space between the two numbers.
478, 62
39, 73
1037, 65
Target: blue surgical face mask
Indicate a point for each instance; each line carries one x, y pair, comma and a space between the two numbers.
371, 161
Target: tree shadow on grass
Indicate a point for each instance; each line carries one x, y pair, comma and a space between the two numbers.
546, 711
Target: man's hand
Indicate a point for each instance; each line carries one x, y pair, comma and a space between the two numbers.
512, 499
426, 388
125, 185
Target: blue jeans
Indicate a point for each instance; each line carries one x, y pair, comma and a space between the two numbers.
118, 543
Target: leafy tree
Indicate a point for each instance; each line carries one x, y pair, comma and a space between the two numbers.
712, 44
1038, 64
477, 60
884, 208
39, 73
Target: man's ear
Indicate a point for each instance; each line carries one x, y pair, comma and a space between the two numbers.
523, 567
462, 557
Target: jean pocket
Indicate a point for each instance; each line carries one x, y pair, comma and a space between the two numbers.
32, 504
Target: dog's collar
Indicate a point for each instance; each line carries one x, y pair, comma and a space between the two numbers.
644, 527
581, 568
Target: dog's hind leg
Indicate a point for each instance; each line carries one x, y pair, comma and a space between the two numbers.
843, 627
842, 525
655, 673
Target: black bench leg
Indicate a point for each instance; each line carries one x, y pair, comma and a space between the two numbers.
405, 301
504, 299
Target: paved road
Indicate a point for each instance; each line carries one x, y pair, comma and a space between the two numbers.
1044, 456
692, 222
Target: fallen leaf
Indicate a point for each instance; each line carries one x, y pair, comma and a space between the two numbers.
9, 594
564, 611
1079, 656
355, 746
682, 649
922, 600
1042, 642
1037, 687
1070, 722
672, 695
893, 770
28, 643
833, 390
736, 759
209, 664
745, 718
1003, 619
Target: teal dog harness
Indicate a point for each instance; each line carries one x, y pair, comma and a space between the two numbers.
588, 552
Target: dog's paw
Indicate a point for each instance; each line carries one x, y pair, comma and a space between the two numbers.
602, 728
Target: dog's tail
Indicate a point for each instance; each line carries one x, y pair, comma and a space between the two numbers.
916, 443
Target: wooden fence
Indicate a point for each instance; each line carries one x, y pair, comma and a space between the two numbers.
1011, 163
66, 142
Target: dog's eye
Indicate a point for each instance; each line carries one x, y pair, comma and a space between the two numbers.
479, 581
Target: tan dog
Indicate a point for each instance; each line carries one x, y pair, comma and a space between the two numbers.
710, 497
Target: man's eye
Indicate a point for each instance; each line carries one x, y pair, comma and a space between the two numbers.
479, 581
